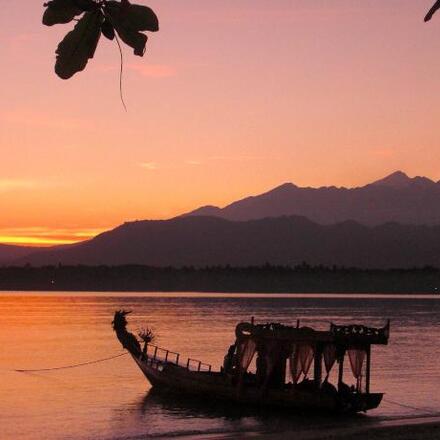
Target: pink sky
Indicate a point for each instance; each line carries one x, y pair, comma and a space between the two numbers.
232, 98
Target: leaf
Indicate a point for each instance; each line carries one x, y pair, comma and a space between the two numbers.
108, 30
129, 35
124, 5
79, 45
142, 18
60, 12
86, 5
128, 20
433, 10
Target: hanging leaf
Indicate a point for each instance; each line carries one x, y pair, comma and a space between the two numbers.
79, 45
141, 18
433, 10
60, 12
87, 5
136, 40
129, 20
108, 30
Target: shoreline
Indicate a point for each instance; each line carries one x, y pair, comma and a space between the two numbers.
223, 292
218, 294
409, 428
221, 279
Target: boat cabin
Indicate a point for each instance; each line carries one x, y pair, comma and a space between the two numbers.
302, 358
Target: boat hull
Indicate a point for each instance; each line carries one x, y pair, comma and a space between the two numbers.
218, 386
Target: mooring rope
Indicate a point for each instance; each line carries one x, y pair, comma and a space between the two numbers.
426, 410
74, 365
65, 367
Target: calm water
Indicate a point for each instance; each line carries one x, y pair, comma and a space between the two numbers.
112, 400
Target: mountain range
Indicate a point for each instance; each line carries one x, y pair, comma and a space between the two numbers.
396, 198
9, 254
204, 241
393, 222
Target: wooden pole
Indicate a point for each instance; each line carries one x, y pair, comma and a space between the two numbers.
341, 370
317, 367
367, 383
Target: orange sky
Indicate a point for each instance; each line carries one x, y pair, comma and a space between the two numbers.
232, 98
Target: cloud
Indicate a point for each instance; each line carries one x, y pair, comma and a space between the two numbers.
153, 166
17, 184
383, 152
44, 236
147, 70
7, 185
150, 166
153, 70
238, 158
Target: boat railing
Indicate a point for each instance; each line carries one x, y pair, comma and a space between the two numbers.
159, 356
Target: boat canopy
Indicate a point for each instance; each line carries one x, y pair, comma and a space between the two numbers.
280, 346
338, 334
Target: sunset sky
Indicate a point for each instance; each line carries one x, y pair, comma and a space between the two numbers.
232, 98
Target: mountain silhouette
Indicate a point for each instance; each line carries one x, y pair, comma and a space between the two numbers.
395, 198
204, 241
9, 253
392, 222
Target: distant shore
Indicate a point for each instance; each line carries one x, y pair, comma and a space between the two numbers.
224, 279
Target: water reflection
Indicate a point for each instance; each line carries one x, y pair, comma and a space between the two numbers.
233, 417
109, 400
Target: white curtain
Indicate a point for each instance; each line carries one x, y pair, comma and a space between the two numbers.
356, 362
301, 361
246, 353
295, 364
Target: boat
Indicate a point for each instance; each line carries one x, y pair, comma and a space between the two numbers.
292, 366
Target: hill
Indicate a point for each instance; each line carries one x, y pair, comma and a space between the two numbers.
10, 253
207, 241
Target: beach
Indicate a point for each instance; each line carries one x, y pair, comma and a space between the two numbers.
418, 428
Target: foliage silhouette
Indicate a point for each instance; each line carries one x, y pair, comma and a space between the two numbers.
96, 17
106, 17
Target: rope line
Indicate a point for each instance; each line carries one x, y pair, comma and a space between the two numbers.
428, 411
73, 366
65, 367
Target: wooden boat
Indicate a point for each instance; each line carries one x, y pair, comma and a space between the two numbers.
277, 348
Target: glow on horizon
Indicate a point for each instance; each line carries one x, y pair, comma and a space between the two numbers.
34, 241
45, 237
231, 99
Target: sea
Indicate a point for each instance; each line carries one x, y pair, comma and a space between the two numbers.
112, 400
